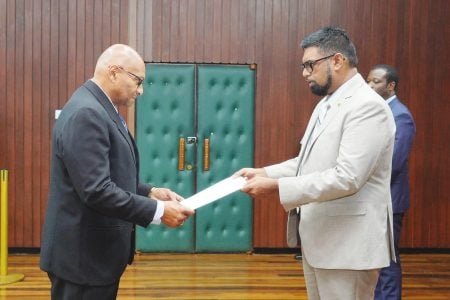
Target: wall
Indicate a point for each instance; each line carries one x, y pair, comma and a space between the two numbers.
47, 48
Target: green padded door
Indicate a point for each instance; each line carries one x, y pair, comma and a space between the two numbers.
211, 108
225, 118
164, 114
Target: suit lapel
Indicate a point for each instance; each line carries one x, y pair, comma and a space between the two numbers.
314, 135
331, 114
306, 140
393, 103
107, 105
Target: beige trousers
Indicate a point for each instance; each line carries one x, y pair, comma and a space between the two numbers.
325, 284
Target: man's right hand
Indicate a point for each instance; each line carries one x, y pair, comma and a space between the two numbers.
175, 214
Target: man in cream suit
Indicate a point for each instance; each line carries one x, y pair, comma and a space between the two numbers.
340, 180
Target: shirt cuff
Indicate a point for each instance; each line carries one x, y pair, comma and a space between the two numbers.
159, 212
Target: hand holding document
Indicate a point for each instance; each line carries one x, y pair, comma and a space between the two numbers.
215, 192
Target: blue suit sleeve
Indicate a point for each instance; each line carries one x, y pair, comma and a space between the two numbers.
404, 137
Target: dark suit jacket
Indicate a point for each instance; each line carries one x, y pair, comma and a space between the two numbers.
404, 136
95, 197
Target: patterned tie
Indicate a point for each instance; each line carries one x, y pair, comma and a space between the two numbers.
321, 117
323, 112
123, 121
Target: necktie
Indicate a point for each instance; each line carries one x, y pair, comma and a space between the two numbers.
323, 112
321, 117
123, 122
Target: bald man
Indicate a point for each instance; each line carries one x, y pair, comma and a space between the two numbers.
95, 197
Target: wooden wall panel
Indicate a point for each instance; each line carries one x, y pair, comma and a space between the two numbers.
49, 47
268, 33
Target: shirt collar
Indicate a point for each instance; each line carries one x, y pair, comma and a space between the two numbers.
107, 96
390, 99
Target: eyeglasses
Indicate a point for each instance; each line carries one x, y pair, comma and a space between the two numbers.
309, 65
139, 80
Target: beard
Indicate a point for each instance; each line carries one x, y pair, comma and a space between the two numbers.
322, 90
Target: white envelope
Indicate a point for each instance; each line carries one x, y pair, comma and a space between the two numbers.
215, 192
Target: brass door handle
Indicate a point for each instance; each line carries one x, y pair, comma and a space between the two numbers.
181, 154
206, 155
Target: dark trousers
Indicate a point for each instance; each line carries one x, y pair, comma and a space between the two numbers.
389, 284
66, 290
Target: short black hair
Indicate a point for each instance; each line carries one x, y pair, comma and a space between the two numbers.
391, 73
331, 40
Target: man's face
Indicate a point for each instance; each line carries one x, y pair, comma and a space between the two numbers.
319, 79
378, 82
130, 84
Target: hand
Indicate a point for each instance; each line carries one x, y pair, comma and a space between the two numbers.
249, 173
164, 194
260, 185
175, 214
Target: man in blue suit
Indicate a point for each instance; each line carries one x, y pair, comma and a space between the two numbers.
384, 80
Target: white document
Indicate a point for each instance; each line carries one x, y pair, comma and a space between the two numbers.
215, 192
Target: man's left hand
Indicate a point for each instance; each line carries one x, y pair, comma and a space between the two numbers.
164, 194
260, 185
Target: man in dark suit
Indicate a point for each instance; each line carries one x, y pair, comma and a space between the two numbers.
384, 80
95, 197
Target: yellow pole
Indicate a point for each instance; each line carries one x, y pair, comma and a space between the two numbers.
4, 277
4, 224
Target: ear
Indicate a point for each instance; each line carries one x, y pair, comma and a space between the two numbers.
112, 72
338, 61
391, 86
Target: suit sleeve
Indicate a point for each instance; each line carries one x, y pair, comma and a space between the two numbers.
86, 143
404, 137
144, 189
287, 168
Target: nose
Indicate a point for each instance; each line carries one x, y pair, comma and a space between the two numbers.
305, 73
140, 90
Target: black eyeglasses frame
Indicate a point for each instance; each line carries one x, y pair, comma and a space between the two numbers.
309, 65
139, 80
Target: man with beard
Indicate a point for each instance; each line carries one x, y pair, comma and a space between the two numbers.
339, 183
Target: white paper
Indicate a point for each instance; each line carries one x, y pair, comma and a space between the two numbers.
215, 192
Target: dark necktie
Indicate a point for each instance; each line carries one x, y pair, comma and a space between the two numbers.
123, 121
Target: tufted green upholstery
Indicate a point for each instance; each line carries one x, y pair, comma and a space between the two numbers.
217, 100
164, 113
225, 116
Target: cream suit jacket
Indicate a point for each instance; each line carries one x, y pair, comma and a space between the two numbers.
342, 185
